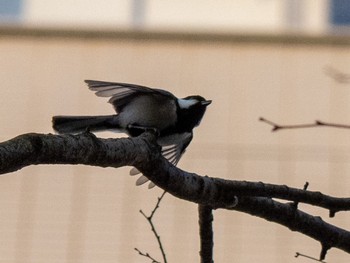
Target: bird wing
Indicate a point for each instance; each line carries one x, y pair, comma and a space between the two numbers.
122, 93
171, 152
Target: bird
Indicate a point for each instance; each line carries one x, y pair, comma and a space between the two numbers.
140, 108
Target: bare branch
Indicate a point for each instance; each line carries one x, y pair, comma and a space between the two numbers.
297, 254
157, 205
206, 233
276, 127
146, 255
336, 74
144, 153
325, 247
316, 124
285, 214
149, 220
86, 148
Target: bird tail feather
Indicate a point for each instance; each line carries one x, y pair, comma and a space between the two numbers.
76, 124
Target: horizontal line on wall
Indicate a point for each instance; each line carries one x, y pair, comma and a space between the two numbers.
154, 35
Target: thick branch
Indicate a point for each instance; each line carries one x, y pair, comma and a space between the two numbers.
296, 220
143, 153
86, 148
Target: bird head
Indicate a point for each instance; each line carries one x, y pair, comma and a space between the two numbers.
192, 109
193, 101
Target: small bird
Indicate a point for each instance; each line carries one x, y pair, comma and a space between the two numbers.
141, 108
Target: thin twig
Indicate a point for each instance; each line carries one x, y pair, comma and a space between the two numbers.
157, 204
146, 255
317, 123
336, 74
149, 220
297, 254
276, 127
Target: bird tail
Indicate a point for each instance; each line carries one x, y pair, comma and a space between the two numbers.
76, 124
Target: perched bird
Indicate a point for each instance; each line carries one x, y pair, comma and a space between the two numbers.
140, 108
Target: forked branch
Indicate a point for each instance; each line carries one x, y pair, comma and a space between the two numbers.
144, 153
154, 231
316, 124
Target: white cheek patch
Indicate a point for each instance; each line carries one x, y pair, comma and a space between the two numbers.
185, 104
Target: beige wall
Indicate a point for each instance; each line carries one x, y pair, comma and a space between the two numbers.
204, 15
88, 214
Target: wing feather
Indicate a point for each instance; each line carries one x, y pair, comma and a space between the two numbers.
122, 93
172, 152
105, 89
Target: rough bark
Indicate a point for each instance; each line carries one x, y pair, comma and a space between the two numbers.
255, 198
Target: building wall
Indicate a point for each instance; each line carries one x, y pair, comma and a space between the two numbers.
87, 214
270, 16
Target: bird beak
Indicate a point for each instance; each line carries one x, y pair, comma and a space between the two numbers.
206, 102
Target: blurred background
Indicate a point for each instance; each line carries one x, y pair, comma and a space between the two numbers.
285, 60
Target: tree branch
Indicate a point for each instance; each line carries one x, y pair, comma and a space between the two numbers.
146, 255
297, 254
206, 233
154, 231
316, 124
336, 75
285, 214
144, 153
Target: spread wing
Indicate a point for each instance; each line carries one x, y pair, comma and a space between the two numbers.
172, 152
122, 93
